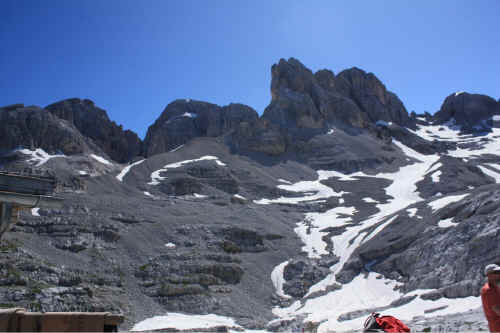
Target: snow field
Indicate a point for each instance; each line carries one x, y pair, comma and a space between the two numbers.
156, 178
373, 290
38, 156
101, 159
445, 201
183, 322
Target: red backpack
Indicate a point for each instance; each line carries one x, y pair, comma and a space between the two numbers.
375, 322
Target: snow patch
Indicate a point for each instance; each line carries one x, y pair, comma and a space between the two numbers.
491, 173
435, 176
443, 202
369, 200
412, 212
239, 197
447, 223
35, 211
170, 245
313, 190
310, 234
38, 156
183, 322
156, 178
100, 159
127, 169
278, 280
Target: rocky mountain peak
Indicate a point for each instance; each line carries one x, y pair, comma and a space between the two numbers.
326, 79
353, 98
33, 127
371, 95
185, 119
93, 122
471, 111
292, 75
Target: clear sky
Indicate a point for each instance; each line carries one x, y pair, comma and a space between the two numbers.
132, 58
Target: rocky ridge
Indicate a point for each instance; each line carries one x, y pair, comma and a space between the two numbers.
93, 122
186, 232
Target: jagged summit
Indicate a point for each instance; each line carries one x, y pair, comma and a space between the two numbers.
93, 122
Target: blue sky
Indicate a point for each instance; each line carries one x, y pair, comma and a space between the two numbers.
132, 58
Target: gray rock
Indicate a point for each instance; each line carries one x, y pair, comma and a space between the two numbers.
372, 96
33, 127
300, 275
183, 120
468, 110
93, 122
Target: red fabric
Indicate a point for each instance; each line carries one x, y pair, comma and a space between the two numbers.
391, 324
490, 298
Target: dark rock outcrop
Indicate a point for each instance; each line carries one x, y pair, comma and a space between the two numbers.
300, 275
93, 122
183, 120
463, 249
371, 96
302, 99
471, 111
33, 127
454, 175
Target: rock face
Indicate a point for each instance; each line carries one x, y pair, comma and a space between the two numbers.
32, 127
93, 122
306, 106
371, 96
463, 249
471, 111
183, 120
302, 99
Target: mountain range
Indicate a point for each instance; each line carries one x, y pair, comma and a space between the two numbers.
334, 203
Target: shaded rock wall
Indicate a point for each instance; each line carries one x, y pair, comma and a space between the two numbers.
32, 127
93, 122
468, 110
183, 120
